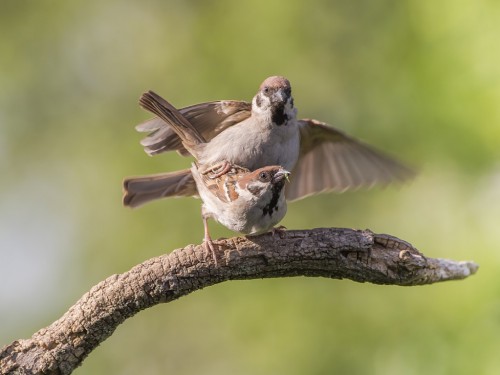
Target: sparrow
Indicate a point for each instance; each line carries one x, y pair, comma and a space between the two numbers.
249, 202
265, 132
243, 201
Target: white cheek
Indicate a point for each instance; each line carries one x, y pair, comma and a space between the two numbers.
245, 194
264, 105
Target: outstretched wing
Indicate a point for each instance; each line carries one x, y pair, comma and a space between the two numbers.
332, 161
208, 118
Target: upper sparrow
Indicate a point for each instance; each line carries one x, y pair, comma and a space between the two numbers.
267, 132
244, 201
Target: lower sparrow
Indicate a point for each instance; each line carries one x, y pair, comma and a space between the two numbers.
243, 201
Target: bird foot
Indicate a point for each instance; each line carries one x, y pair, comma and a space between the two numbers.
278, 231
210, 249
218, 170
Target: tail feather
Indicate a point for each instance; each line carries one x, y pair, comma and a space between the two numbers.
189, 135
141, 190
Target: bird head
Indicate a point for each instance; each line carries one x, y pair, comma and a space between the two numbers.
275, 99
265, 181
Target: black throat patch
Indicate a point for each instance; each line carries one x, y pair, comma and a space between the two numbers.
278, 115
273, 203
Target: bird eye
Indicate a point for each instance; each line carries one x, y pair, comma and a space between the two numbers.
264, 176
266, 90
288, 91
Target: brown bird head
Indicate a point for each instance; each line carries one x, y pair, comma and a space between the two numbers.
265, 185
275, 98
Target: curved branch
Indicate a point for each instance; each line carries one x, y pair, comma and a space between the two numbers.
330, 252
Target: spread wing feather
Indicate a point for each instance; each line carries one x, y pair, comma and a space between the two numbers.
332, 161
208, 118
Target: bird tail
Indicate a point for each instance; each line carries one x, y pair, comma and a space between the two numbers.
189, 135
141, 190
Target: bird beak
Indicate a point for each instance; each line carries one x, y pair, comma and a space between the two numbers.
281, 174
280, 96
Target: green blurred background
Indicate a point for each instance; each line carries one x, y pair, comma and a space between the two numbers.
420, 79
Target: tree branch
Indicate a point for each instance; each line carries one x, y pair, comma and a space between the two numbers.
331, 252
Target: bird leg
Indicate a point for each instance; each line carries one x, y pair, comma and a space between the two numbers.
207, 241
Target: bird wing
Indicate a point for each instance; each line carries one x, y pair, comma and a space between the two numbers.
330, 160
208, 118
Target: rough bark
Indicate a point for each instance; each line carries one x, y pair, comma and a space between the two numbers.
331, 252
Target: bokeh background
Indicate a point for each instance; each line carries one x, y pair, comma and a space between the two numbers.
419, 79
